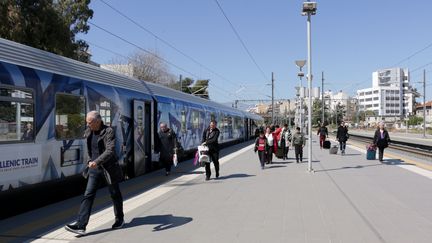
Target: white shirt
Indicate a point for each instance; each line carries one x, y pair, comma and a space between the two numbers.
269, 139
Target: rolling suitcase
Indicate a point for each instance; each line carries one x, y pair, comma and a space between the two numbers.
326, 144
371, 154
279, 153
333, 149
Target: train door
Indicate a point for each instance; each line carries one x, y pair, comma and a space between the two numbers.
246, 129
142, 136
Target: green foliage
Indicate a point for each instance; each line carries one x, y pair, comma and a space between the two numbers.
188, 85
50, 25
415, 120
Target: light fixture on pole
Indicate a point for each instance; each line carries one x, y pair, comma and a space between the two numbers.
300, 64
309, 8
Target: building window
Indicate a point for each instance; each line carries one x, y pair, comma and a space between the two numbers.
376, 98
375, 92
16, 114
69, 116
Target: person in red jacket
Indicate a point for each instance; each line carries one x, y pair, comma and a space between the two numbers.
272, 141
261, 146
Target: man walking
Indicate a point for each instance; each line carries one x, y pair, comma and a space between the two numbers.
102, 165
167, 146
210, 138
342, 137
299, 142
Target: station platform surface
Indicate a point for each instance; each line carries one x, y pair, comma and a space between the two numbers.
346, 199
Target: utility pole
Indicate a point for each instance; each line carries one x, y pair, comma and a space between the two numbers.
424, 103
322, 95
273, 108
181, 83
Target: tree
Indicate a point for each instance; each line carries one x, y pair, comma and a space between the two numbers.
197, 88
50, 25
415, 120
150, 67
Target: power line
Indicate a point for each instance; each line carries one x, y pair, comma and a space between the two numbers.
167, 43
222, 91
414, 54
139, 47
241, 41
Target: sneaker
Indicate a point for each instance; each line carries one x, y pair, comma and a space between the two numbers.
262, 167
207, 178
117, 224
167, 173
217, 175
75, 228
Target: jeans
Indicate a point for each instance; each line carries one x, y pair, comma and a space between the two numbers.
285, 152
214, 156
262, 157
298, 152
269, 155
381, 153
95, 178
342, 145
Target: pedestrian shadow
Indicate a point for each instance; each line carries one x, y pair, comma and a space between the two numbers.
162, 222
276, 166
351, 154
349, 167
284, 162
395, 162
233, 176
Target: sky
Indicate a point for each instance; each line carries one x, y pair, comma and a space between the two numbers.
350, 40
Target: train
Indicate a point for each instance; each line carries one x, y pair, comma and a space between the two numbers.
44, 99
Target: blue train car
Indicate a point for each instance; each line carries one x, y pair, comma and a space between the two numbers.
44, 99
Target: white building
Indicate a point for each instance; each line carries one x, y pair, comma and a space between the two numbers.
391, 94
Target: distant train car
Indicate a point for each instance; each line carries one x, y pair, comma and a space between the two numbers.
44, 99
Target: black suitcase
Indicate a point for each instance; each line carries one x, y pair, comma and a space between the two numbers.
326, 144
279, 153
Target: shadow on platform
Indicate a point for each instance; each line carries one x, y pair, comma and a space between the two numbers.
233, 176
275, 166
348, 167
163, 222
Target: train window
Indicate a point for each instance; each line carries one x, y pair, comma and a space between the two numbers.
69, 116
183, 121
105, 112
16, 114
195, 119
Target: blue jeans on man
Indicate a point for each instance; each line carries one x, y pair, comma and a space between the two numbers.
96, 176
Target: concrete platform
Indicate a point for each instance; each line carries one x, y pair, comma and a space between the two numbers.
347, 199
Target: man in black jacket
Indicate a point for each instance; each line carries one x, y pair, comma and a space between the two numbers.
167, 146
210, 138
102, 165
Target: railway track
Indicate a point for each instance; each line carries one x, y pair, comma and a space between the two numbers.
413, 148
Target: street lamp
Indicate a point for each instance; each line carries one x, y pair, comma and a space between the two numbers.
300, 64
309, 8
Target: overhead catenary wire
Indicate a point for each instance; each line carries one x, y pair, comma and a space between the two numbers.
241, 41
167, 43
217, 89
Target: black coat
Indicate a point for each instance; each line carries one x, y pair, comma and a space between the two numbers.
381, 142
167, 144
107, 159
211, 139
342, 134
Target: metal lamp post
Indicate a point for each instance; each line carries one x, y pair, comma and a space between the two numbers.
309, 8
300, 64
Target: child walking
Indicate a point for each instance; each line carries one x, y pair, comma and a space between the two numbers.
262, 147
